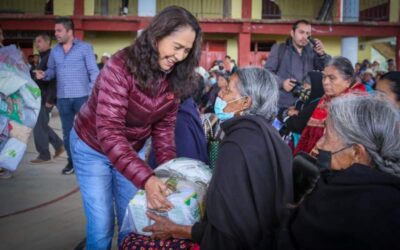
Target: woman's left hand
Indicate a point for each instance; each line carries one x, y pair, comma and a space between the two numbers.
162, 229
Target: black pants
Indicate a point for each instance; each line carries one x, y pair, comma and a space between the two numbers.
43, 134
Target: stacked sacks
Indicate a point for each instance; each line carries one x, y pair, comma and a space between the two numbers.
19, 106
187, 181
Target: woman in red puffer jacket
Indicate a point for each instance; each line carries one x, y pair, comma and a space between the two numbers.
135, 96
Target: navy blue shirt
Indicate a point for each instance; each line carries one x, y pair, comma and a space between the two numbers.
189, 134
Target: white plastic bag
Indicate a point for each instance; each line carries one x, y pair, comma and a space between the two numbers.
186, 168
10, 82
12, 56
12, 153
20, 132
20, 101
31, 96
188, 180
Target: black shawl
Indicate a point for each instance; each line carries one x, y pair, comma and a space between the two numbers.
356, 208
251, 186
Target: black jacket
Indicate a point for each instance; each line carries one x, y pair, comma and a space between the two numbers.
297, 123
251, 185
293, 65
47, 88
356, 208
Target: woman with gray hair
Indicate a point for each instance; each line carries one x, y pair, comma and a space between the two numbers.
338, 79
252, 181
356, 201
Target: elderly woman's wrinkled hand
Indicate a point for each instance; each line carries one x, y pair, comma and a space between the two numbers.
162, 229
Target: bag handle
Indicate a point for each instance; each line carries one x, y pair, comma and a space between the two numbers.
207, 122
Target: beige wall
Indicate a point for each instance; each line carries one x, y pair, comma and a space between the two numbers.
299, 9
332, 44
366, 4
89, 7
366, 53
63, 7
256, 9
232, 48
109, 42
105, 42
114, 7
199, 8
394, 10
236, 8
26, 6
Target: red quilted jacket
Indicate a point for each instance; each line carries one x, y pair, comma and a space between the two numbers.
119, 117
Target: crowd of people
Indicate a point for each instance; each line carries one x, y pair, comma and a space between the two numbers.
304, 108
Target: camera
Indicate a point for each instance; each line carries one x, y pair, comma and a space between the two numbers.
296, 90
312, 41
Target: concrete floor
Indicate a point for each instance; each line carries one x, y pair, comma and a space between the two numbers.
39, 207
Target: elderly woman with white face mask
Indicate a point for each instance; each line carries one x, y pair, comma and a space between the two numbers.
252, 181
356, 201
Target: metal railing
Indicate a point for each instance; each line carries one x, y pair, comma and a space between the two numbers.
327, 10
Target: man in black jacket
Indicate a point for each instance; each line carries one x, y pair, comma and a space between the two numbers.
43, 133
291, 61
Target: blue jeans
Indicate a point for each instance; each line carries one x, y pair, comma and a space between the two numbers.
101, 187
68, 108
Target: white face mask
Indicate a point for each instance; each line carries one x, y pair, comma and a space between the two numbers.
219, 107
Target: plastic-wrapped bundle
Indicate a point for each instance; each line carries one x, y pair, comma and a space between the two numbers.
187, 180
13, 57
20, 101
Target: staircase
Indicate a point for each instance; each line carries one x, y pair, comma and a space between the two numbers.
386, 49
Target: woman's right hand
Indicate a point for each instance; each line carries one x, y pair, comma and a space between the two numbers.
156, 193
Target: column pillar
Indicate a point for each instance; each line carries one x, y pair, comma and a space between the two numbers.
244, 45
147, 7
350, 10
79, 7
246, 9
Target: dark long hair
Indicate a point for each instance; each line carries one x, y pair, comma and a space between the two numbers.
143, 54
394, 78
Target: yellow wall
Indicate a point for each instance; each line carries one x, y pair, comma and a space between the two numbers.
276, 38
199, 8
236, 8
394, 10
366, 4
256, 9
290, 9
299, 9
232, 48
89, 7
332, 44
114, 7
66, 7
31, 6
366, 53
232, 43
63, 7
109, 42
